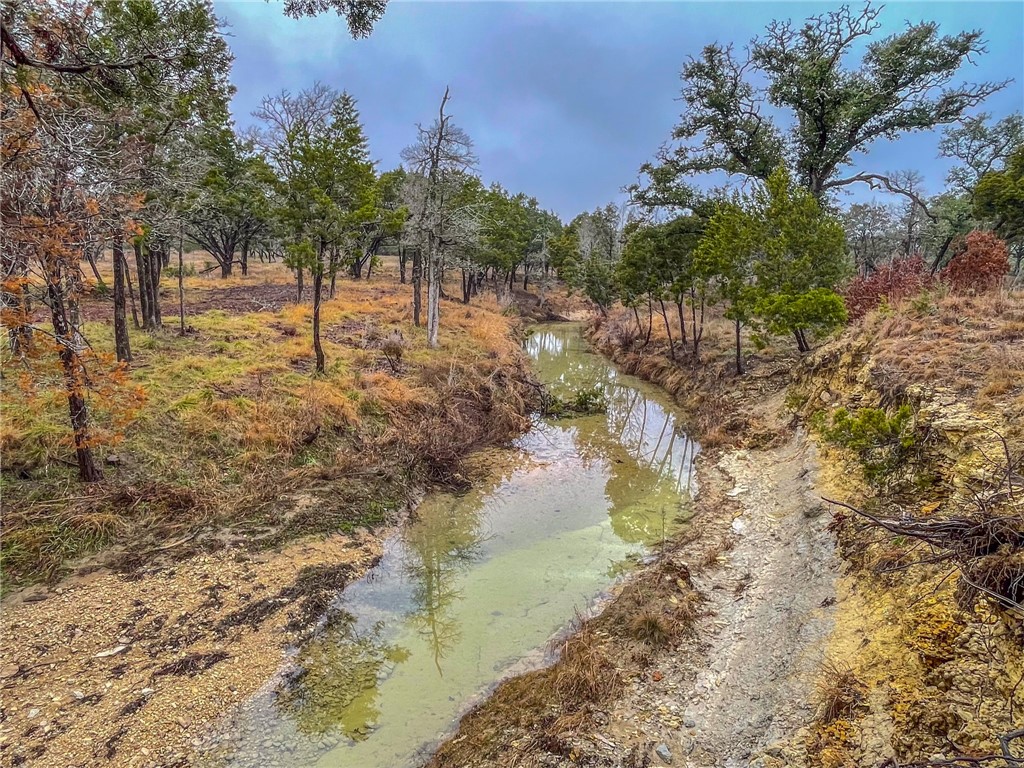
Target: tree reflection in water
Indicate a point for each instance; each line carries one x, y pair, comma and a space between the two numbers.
655, 484
442, 542
334, 684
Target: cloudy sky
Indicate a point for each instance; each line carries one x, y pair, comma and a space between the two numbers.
564, 100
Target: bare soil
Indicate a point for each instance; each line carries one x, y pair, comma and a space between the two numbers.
114, 669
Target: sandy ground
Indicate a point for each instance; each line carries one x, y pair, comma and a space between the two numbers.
117, 671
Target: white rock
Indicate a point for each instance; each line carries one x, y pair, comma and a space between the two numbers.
111, 652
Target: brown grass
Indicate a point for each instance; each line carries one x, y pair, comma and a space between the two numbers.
972, 345
722, 407
838, 691
235, 426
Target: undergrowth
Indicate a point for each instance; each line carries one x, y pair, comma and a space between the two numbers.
883, 443
236, 430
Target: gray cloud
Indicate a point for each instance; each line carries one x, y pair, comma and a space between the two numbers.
564, 100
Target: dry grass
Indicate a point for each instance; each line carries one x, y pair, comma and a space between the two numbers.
838, 691
972, 345
723, 408
234, 420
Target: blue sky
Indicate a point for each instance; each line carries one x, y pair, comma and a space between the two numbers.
564, 100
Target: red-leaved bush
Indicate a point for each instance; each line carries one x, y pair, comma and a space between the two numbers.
894, 281
980, 264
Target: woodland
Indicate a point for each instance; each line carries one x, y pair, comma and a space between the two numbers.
205, 323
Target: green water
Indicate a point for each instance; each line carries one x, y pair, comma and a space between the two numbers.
476, 586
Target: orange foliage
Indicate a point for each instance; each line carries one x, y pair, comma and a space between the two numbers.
980, 264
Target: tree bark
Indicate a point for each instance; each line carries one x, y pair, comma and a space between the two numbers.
668, 331
74, 383
90, 255
941, 254
402, 256
122, 343
245, 259
181, 283
131, 291
144, 275
698, 330
155, 260
298, 285
318, 289
682, 321
650, 321
433, 299
739, 352
227, 265
417, 285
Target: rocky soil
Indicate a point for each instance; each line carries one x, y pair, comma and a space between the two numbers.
129, 671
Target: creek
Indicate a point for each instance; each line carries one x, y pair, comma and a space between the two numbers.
475, 586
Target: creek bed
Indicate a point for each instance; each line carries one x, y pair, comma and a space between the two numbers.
475, 586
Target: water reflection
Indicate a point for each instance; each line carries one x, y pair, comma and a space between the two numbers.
480, 582
438, 546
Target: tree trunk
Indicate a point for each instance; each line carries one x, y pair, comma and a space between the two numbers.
131, 291
466, 286
155, 260
526, 277
650, 322
417, 281
433, 298
402, 256
298, 285
668, 331
739, 352
318, 289
74, 383
181, 283
682, 321
245, 259
90, 255
698, 330
122, 343
226, 267
144, 274
941, 254
801, 340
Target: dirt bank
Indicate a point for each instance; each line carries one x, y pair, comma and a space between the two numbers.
811, 640
711, 685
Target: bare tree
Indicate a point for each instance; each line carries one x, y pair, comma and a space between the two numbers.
439, 164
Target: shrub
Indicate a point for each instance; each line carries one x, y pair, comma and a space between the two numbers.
585, 402
883, 443
980, 264
190, 271
889, 284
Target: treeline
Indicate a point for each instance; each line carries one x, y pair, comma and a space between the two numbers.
783, 256
117, 137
